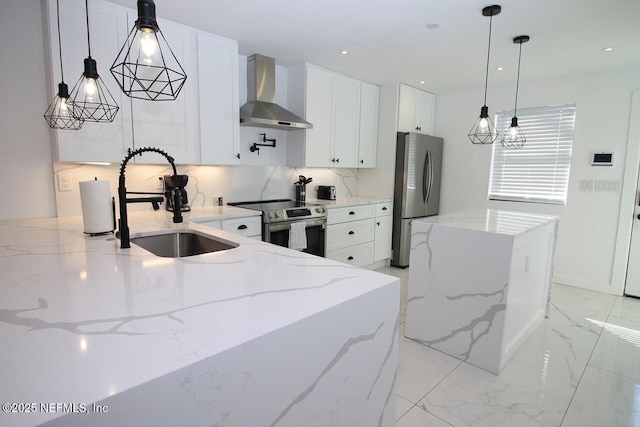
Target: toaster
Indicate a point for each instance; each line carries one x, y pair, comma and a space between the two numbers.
326, 192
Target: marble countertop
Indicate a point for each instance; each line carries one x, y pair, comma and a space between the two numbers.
493, 221
82, 319
350, 201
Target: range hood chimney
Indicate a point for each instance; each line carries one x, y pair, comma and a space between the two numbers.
261, 109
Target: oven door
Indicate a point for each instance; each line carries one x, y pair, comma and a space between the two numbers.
278, 234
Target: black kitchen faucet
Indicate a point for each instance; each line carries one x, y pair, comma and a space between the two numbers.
123, 200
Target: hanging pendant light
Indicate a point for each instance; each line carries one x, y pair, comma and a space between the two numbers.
90, 98
58, 115
484, 130
513, 137
146, 67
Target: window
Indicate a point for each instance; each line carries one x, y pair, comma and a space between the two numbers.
539, 171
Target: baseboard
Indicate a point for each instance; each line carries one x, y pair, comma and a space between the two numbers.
584, 284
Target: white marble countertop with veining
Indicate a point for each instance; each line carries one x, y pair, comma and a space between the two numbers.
82, 319
350, 201
493, 221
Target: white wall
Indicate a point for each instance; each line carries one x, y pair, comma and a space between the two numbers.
25, 154
589, 221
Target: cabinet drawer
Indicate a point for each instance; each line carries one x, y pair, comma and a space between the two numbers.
384, 209
249, 226
358, 255
350, 213
350, 233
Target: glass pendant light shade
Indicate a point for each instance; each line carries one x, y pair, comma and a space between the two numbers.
146, 67
514, 137
90, 99
484, 130
59, 114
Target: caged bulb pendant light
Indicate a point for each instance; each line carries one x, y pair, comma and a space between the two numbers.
146, 67
90, 98
484, 130
58, 115
513, 137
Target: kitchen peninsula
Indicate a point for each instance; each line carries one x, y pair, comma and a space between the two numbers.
479, 282
254, 335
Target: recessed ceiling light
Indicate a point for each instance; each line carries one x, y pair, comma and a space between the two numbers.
433, 26
421, 82
607, 49
499, 68
344, 52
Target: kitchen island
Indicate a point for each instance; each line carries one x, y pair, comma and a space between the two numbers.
479, 282
257, 335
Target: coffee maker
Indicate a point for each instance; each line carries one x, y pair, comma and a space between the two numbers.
171, 183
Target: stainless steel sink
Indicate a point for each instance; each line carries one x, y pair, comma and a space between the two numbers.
182, 243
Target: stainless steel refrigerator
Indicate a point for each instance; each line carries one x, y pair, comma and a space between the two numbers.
416, 191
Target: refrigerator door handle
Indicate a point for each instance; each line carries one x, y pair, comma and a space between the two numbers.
430, 175
425, 169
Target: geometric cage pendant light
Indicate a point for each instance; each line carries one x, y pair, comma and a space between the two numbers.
90, 98
59, 115
146, 67
484, 130
513, 137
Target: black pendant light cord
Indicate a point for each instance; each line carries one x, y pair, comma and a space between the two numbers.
515, 106
86, 4
59, 41
486, 76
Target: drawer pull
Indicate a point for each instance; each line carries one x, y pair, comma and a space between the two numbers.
351, 233
378, 223
242, 227
350, 258
384, 208
352, 213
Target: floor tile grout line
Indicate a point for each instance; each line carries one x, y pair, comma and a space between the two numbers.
573, 395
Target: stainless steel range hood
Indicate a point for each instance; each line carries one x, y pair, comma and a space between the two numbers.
261, 109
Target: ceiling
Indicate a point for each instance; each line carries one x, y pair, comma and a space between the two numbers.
388, 40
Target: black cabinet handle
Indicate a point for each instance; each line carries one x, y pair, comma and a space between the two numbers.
384, 208
242, 227
350, 258
352, 213
378, 223
362, 162
238, 155
333, 160
351, 233
638, 216
337, 160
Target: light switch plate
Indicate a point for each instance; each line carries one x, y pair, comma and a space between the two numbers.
64, 182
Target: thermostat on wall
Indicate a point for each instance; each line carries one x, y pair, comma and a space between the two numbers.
602, 159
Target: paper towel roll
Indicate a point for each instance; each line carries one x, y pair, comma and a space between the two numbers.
97, 208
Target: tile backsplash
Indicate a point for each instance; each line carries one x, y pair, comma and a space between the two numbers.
206, 183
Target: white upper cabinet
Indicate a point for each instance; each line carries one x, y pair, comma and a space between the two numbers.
332, 103
369, 104
171, 126
219, 100
415, 110
97, 142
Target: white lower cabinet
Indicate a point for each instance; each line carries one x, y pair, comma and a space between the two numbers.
384, 226
351, 234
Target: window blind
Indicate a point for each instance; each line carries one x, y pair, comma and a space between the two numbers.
539, 171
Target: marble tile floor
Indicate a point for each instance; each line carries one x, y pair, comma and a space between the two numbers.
580, 368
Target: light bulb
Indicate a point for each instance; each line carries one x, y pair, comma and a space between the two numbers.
149, 47
513, 131
64, 108
484, 124
90, 89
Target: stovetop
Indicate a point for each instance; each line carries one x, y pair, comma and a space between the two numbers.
280, 210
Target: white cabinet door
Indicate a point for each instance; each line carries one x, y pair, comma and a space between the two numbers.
346, 119
368, 138
382, 243
415, 110
171, 126
97, 142
219, 100
319, 112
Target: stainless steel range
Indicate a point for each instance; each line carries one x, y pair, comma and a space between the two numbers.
278, 216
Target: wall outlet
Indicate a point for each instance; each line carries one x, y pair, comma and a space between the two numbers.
160, 183
64, 182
